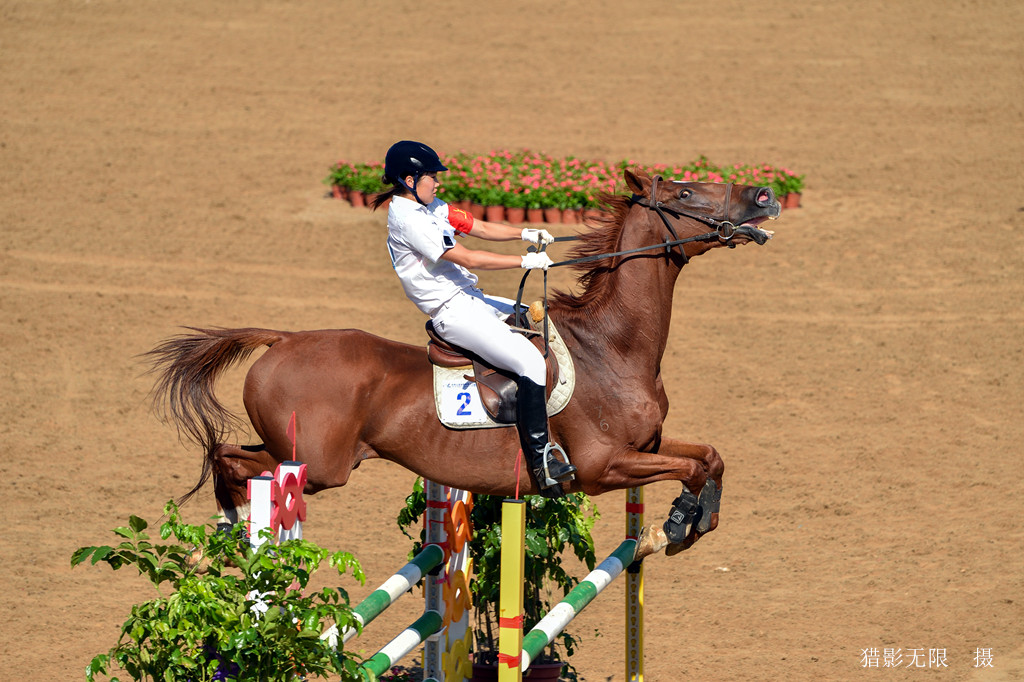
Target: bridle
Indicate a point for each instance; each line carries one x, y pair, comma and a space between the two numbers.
723, 230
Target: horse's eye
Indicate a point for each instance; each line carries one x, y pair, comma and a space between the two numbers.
685, 194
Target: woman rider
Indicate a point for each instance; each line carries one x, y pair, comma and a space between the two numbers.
435, 273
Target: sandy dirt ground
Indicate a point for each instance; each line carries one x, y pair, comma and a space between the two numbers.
161, 165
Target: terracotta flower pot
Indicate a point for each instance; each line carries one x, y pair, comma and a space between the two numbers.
552, 215
484, 672
494, 214
535, 215
793, 200
571, 215
464, 205
515, 214
544, 671
476, 210
356, 198
537, 671
339, 192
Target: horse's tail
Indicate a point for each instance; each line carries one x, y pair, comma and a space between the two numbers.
188, 366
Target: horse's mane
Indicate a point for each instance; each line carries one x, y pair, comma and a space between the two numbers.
593, 280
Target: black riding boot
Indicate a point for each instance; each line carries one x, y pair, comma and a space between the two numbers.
532, 423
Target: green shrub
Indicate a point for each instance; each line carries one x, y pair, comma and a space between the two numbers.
240, 614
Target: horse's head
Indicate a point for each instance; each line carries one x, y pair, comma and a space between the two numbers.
727, 214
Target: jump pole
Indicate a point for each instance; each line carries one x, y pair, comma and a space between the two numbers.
515, 652
544, 632
394, 587
275, 501
447, 524
426, 625
634, 590
510, 598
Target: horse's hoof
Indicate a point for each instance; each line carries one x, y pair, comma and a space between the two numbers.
197, 561
676, 548
710, 502
651, 541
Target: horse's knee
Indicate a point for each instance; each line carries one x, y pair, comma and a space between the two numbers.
716, 467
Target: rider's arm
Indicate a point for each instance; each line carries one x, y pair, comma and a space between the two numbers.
481, 260
495, 232
465, 223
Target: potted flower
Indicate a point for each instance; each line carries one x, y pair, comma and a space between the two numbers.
553, 528
793, 186
340, 178
533, 197
366, 182
515, 206
492, 198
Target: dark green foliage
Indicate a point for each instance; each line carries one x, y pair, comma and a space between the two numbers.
209, 626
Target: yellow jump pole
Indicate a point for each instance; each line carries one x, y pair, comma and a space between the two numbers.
510, 599
634, 590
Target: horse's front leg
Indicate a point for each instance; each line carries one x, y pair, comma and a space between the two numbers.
695, 512
675, 460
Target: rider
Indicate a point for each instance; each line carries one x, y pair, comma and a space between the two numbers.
434, 270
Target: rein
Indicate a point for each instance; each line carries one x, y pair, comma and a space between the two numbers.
724, 231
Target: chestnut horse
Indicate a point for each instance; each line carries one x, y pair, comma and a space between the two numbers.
359, 396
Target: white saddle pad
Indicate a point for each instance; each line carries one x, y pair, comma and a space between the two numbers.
458, 401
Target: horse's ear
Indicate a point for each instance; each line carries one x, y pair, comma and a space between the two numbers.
637, 181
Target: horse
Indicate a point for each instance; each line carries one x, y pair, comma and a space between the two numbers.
361, 397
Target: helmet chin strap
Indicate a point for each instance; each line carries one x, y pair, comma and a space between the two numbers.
415, 181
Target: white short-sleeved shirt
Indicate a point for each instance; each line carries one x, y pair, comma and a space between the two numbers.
417, 238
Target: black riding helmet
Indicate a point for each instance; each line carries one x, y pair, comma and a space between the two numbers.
410, 158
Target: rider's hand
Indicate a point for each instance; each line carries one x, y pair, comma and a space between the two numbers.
533, 261
538, 237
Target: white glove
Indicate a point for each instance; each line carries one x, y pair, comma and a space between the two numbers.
538, 237
533, 261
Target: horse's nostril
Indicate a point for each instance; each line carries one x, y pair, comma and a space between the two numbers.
764, 197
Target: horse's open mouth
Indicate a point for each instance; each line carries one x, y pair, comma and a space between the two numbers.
754, 224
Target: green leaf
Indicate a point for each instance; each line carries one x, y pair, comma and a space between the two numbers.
125, 532
137, 524
101, 553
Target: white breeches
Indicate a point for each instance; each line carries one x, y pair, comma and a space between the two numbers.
476, 322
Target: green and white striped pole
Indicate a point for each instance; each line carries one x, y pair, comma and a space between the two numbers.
562, 614
410, 638
394, 587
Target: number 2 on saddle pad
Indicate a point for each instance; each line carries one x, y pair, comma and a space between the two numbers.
460, 403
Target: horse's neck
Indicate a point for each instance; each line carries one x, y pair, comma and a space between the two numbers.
633, 316
642, 296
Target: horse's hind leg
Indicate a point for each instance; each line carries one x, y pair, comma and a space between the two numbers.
233, 466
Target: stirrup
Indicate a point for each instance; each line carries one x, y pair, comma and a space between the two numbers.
546, 481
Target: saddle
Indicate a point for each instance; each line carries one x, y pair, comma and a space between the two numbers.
497, 387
